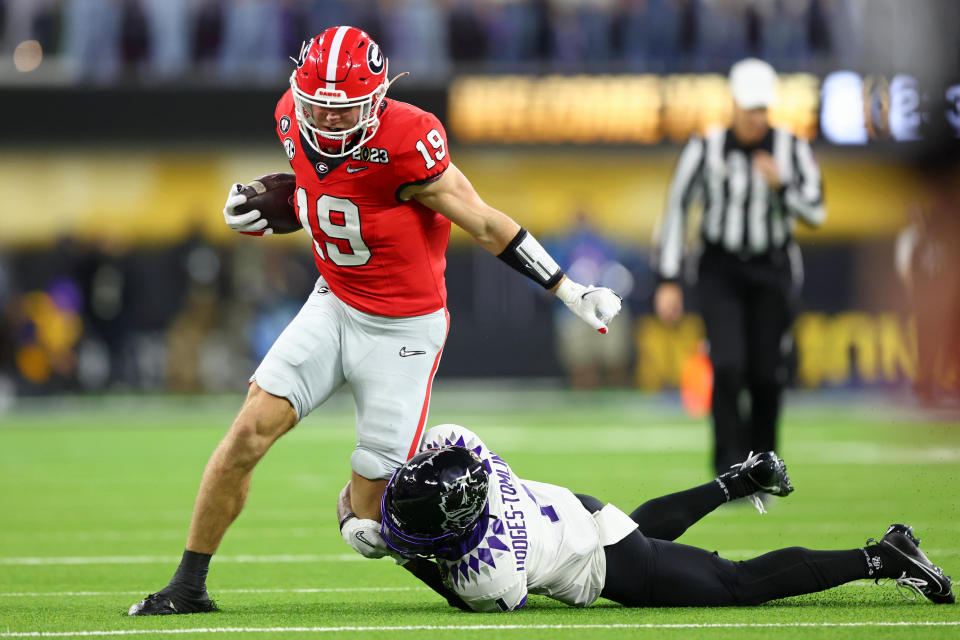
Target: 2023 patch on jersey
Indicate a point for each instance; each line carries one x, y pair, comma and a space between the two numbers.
378, 254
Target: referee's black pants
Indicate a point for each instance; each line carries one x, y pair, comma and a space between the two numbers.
748, 306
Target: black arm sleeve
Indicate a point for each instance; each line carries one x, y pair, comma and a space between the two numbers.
428, 572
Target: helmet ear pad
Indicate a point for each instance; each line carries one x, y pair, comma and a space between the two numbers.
433, 500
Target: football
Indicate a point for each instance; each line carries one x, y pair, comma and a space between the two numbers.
272, 195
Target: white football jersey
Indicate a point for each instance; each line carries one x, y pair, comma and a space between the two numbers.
536, 538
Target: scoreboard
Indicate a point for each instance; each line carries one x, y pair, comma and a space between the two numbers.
610, 109
858, 109
842, 108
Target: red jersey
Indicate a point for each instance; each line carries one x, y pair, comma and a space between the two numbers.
378, 254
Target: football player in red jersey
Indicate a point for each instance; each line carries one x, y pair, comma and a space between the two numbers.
377, 192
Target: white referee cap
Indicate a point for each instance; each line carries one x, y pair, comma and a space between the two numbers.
753, 83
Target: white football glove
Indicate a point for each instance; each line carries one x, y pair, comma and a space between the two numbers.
596, 306
250, 222
364, 537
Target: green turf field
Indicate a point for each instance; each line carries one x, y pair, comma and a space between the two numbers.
95, 498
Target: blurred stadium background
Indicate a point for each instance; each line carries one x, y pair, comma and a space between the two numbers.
125, 120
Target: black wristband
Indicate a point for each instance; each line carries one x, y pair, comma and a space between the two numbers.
344, 519
525, 255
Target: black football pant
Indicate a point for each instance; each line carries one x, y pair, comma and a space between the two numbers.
747, 308
647, 569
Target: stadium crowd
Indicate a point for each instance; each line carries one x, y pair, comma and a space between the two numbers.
248, 41
183, 317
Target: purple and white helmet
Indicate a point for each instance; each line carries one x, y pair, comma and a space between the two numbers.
433, 500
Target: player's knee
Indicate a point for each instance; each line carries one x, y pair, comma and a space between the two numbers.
262, 420
243, 445
372, 465
249, 439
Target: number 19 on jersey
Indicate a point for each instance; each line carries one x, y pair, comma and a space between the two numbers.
337, 219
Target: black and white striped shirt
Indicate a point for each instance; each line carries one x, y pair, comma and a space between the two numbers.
741, 214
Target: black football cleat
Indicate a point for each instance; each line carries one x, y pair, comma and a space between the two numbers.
767, 473
168, 602
918, 573
761, 473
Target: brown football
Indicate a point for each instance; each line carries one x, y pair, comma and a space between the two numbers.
272, 195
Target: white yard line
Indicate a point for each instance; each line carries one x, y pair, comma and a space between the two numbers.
477, 627
242, 559
115, 535
74, 594
133, 592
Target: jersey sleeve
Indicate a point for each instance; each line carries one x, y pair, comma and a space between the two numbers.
670, 234
422, 154
804, 195
284, 116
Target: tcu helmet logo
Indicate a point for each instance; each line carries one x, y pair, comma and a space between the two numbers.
374, 58
458, 504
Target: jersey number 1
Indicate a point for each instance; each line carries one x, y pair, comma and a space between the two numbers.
336, 219
440, 149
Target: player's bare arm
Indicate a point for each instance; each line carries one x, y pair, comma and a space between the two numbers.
452, 196
365, 496
425, 570
358, 529
344, 510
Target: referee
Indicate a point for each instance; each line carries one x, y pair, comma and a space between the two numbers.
754, 182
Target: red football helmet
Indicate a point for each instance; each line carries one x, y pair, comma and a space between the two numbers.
341, 68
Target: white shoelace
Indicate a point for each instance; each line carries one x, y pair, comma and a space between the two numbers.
754, 498
910, 583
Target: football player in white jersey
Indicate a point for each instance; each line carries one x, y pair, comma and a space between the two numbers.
496, 538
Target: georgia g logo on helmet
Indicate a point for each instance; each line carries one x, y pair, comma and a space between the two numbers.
374, 58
